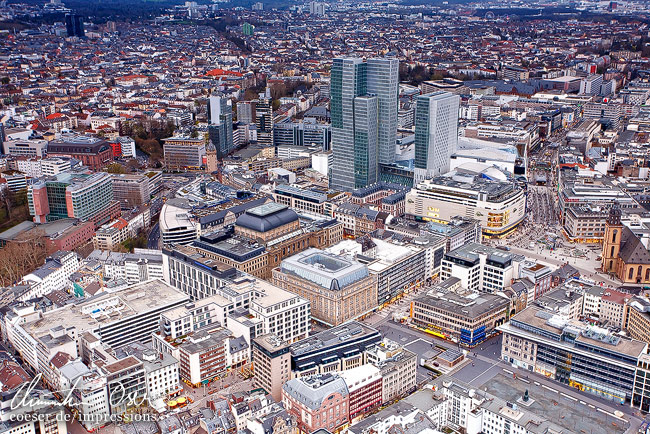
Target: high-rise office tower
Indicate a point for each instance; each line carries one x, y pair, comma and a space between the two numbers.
365, 140
219, 129
264, 118
436, 133
363, 102
245, 112
74, 25
383, 81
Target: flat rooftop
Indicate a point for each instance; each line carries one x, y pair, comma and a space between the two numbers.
471, 308
266, 209
332, 338
587, 334
108, 308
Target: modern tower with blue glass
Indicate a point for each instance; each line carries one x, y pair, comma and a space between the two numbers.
436, 133
364, 119
220, 126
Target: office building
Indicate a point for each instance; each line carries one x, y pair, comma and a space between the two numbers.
54, 166
397, 267
246, 112
74, 25
220, 126
272, 364
131, 190
337, 349
436, 133
302, 200
307, 132
110, 235
637, 320
364, 385
116, 318
202, 356
92, 152
124, 377
383, 82
481, 268
397, 366
183, 153
264, 235
26, 147
576, 353
591, 84
364, 119
338, 289
264, 119
451, 312
73, 195
317, 8
176, 223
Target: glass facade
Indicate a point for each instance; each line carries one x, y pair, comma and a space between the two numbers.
364, 119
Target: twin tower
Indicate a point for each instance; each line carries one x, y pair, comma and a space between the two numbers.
364, 104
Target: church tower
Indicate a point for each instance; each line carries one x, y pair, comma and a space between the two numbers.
612, 239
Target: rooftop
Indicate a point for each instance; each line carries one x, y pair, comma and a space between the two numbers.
108, 308
324, 269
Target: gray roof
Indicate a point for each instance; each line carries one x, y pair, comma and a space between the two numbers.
266, 217
313, 390
324, 269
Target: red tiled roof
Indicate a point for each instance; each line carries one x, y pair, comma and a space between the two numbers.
217, 72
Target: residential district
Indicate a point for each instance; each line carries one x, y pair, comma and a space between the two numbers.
325, 217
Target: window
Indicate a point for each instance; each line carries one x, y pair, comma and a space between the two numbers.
631, 273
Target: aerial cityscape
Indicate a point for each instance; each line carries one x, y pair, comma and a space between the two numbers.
328, 217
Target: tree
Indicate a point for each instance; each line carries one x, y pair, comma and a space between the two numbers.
116, 168
4, 80
21, 256
133, 164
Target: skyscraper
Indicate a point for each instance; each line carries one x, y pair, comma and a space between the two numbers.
436, 133
383, 81
74, 25
364, 119
264, 118
219, 127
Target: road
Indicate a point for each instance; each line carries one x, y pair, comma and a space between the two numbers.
153, 240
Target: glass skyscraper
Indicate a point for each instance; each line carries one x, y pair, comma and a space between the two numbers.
383, 81
436, 133
220, 126
364, 119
